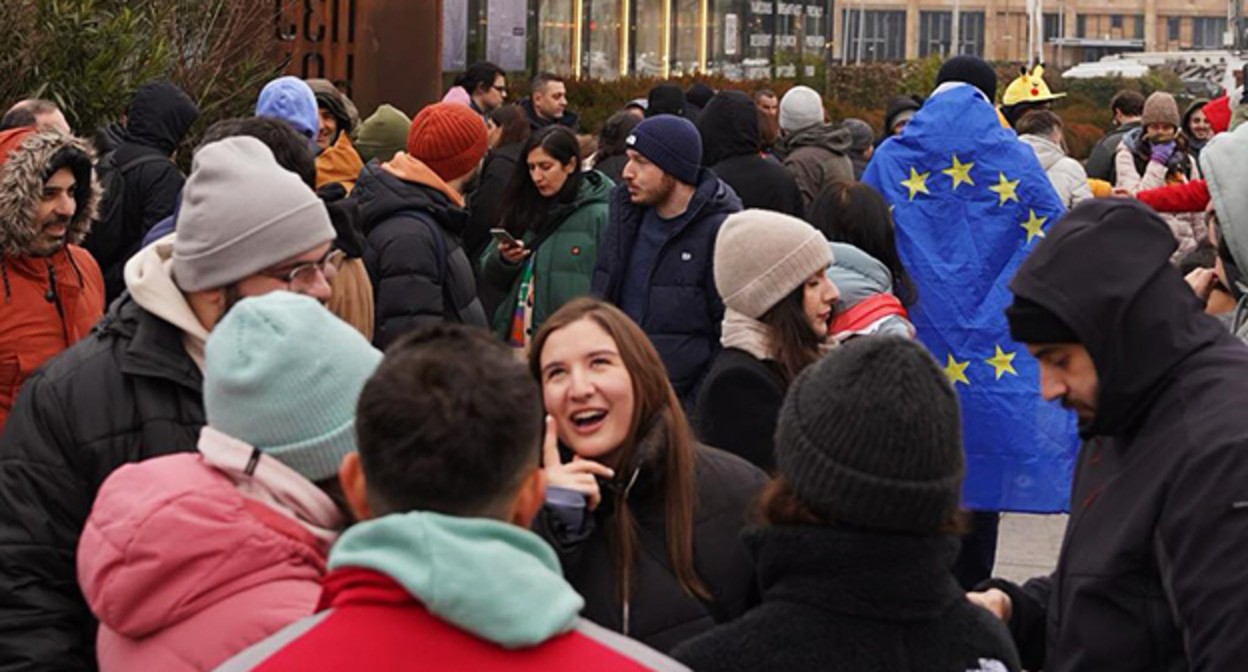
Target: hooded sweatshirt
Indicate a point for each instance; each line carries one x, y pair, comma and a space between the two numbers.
187, 559
46, 303
475, 593
817, 155
159, 117
1225, 163
149, 277
730, 148
1153, 553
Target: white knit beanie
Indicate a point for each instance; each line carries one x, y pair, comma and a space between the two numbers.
242, 213
801, 107
762, 256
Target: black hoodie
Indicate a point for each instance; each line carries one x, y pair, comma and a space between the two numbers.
160, 116
730, 148
1151, 571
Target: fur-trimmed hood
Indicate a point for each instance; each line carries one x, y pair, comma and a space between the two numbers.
22, 178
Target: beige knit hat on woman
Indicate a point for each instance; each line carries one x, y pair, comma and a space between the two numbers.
762, 256
1160, 108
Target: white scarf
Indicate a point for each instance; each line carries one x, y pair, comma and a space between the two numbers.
273, 484
746, 333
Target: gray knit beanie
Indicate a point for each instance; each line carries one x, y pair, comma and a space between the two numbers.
870, 437
1160, 108
801, 107
762, 256
242, 213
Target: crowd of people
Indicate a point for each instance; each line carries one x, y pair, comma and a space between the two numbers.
726, 384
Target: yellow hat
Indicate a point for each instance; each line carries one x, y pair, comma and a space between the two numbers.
1029, 88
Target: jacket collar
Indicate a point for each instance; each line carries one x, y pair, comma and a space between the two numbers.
154, 348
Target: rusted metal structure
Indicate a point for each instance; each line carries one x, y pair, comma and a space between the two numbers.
378, 51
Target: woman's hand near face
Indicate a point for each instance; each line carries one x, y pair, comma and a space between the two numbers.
578, 475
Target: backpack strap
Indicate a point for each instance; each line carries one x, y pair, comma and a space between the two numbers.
449, 309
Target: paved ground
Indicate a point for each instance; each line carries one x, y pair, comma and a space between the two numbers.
1028, 545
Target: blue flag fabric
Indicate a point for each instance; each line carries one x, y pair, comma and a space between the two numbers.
970, 202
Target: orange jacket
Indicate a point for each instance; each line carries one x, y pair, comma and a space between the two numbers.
37, 319
339, 163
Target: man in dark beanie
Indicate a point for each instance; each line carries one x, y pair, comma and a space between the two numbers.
1151, 571
655, 259
666, 99
860, 528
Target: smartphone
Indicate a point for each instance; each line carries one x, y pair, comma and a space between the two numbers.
502, 236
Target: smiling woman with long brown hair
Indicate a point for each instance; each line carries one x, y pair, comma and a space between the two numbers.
645, 520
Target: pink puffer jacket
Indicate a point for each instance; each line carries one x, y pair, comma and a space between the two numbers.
184, 571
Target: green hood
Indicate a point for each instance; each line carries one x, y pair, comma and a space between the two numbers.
382, 135
497, 581
595, 188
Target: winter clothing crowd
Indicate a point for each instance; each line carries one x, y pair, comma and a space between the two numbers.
469, 390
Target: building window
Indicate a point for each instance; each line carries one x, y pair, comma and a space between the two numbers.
1081, 25
1054, 26
1139, 26
1207, 32
556, 21
1172, 28
936, 33
1115, 22
601, 58
880, 36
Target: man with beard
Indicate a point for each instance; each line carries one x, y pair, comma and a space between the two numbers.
655, 262
133, 388
53, 292
1151, 570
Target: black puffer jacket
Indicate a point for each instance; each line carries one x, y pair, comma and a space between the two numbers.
485, 203
126, 393
739, 404
683, 310
661, 614
1151, 571
847, 600
730, 148
160, 116
415, 274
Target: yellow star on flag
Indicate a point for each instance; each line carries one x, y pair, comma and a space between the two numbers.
1034, 226
956, 371
1003, 362
917, 183
960, 172
1005, 189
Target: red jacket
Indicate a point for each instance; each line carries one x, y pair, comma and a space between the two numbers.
371, 622
1190, 196
39, 320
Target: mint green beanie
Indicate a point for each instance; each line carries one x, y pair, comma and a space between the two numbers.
284, 374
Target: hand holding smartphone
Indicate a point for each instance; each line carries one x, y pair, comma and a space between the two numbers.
511, 249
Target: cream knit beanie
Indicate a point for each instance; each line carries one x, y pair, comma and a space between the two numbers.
762, 256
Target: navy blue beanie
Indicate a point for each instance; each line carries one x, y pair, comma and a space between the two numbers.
671, 143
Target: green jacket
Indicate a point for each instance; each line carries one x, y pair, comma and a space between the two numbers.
563, 262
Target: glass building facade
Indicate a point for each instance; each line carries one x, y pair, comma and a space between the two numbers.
607, 39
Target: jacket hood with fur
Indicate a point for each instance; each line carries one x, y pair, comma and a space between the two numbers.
22, 177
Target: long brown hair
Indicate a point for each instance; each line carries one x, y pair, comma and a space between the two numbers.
654, 402
794, 344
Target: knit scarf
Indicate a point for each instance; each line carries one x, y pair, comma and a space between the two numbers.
272, 483
746, 333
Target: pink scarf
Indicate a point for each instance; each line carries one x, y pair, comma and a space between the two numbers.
272, 483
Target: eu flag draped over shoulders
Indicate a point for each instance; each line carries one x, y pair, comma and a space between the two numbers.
970, 202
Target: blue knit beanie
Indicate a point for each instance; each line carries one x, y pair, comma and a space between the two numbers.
291, 100
671, 143
283, 374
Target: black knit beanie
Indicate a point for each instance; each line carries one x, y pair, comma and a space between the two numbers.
666, 99
871, 437
1032, 323
972, 70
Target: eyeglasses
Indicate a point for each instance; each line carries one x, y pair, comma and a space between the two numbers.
305, 275
500, 89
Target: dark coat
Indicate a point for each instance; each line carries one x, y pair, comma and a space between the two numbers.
738, 406
817, 156
1101, 164
730, 147
126, 393
613, 167
537, 123
160, 116
485, 201
847, 600
661, 613
402, 255
683, 309
1151, 571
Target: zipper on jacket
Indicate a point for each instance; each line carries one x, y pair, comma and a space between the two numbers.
53, 297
